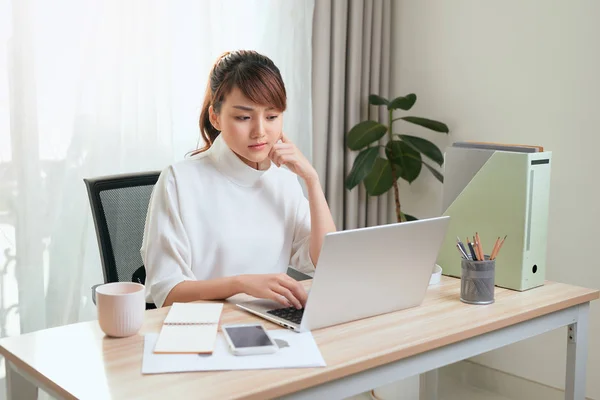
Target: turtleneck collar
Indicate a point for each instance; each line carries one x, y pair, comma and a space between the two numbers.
232, 166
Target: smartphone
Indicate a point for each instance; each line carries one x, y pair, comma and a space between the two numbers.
248, 339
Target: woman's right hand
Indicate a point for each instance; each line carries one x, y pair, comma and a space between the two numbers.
279, 287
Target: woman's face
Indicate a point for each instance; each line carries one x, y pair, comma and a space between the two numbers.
249, 129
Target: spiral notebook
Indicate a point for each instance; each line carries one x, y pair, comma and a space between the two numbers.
189, 328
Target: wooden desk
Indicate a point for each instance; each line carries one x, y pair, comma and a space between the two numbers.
78, 361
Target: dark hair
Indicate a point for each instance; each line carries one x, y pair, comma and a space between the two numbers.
254, 74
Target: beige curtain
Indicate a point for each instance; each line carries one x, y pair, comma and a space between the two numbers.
351, 59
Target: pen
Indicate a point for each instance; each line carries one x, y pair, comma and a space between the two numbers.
474, 256
462, 249
464, 255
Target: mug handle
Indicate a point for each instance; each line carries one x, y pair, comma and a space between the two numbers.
94, 292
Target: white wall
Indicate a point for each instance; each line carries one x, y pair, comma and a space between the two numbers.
516, 71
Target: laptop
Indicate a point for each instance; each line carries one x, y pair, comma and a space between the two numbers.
362, 273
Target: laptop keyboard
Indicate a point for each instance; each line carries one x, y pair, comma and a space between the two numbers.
289, 313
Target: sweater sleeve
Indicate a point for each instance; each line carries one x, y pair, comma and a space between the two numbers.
165, 247
300, 259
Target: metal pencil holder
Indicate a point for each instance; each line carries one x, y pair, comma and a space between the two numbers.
477, 281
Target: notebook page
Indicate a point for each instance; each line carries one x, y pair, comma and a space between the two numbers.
194, 313
187, 339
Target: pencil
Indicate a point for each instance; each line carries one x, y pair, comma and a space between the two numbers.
476, 244
499, 247
493, 253
479, 245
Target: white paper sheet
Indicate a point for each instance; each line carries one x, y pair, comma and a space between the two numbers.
302, 352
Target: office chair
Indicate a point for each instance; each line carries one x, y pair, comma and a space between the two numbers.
119, 204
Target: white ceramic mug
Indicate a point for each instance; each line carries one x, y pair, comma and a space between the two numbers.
121, 307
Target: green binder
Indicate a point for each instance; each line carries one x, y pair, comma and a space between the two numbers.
497, 193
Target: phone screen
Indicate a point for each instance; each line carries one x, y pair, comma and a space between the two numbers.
248, 336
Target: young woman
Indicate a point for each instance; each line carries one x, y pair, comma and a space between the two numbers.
231, 219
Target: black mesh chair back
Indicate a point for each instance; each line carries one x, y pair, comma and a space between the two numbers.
119, 205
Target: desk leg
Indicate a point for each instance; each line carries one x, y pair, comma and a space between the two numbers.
428, 385
17, 386
577, 349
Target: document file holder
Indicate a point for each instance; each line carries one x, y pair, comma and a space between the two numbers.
497, 193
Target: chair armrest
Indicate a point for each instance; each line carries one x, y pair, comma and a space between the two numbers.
297, 275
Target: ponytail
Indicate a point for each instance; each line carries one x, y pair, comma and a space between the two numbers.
208, 132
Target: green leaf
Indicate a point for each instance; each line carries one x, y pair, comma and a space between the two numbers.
363, 163
403, 102
428, 123
435, 172
406, 158
410, 217
380, 178
365, 133
424, 147
378, 100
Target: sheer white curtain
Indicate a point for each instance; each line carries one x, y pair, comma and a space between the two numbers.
96, 87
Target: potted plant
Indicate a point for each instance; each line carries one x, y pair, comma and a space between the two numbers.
380, 166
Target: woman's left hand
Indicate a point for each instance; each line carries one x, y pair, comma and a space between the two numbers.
286, 153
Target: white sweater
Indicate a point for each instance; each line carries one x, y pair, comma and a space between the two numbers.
212, 216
